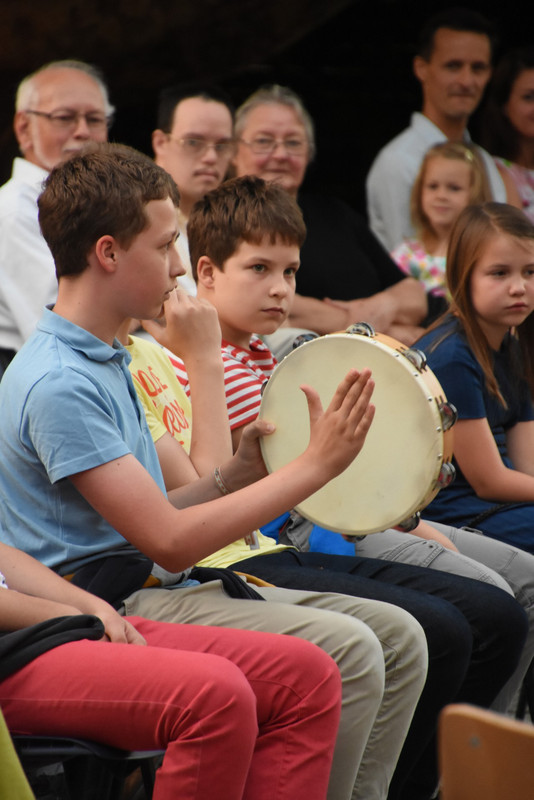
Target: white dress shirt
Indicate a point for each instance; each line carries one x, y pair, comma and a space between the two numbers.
27, 272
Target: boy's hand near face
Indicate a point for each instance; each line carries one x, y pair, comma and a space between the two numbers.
190, 328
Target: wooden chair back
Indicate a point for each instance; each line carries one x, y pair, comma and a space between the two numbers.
484, 755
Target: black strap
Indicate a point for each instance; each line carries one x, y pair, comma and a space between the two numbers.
233, 584
18, 648
475, 522
116, 577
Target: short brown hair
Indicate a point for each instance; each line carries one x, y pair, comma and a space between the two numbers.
104, 190
242, 209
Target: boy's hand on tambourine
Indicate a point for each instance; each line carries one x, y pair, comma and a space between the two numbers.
338, 434
247, 465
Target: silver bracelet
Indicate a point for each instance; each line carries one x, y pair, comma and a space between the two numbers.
221, 486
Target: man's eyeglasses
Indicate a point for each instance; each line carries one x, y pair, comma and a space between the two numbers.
194, 146
264, 145
69, 119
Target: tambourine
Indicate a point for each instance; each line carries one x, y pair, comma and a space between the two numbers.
406, 458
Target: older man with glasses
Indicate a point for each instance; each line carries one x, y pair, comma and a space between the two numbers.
58, 110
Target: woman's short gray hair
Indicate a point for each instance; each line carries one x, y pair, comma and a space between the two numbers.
279, 95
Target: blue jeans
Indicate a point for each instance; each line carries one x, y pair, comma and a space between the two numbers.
475, 635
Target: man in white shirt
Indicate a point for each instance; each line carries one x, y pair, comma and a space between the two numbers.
453, 66
194, 142
59, 109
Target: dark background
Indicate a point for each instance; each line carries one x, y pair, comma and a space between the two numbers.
350, 61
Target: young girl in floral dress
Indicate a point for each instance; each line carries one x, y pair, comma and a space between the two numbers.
450, 178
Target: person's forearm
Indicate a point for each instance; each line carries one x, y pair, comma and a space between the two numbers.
504, 486
315, 315
28, 577
425, 531
177, 539
247, 509
233, 473
211, 441
20, 610
407, 334
37, 593
411, 306
193, 333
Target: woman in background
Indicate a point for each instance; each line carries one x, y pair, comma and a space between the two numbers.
508, 126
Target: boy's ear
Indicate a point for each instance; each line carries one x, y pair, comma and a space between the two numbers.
106, 253
206, 271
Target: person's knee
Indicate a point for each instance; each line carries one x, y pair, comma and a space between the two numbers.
320, 666
467, 567
219, 698
309, 672
508, 620
449, 637
360, 658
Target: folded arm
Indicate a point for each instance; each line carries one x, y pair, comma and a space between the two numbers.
36, 594
399, 309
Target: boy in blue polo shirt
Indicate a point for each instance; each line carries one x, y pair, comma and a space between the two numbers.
82, 490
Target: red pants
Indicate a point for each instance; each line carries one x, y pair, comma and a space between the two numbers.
240, 714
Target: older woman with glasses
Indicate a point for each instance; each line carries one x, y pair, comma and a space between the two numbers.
341, 259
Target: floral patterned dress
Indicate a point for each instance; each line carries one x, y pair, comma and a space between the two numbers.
414, 260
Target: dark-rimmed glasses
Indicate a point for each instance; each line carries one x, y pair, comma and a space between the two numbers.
69, 118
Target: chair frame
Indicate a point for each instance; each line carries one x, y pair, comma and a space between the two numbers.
92, 771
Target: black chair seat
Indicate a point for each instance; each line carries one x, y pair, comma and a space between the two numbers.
92, 771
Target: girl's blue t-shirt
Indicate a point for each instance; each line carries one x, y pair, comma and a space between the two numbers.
462, 379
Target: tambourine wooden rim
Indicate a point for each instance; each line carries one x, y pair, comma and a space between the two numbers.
399, 469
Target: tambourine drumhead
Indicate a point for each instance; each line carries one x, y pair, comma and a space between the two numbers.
395, 474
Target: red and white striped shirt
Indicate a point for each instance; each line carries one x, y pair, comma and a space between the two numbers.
245, 372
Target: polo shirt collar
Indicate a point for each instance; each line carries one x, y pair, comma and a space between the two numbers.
81, 340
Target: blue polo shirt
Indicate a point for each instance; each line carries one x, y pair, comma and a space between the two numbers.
67, 404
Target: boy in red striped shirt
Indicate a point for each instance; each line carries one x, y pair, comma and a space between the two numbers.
258, 260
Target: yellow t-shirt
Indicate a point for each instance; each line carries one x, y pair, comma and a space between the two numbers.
166, 404
239, 550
